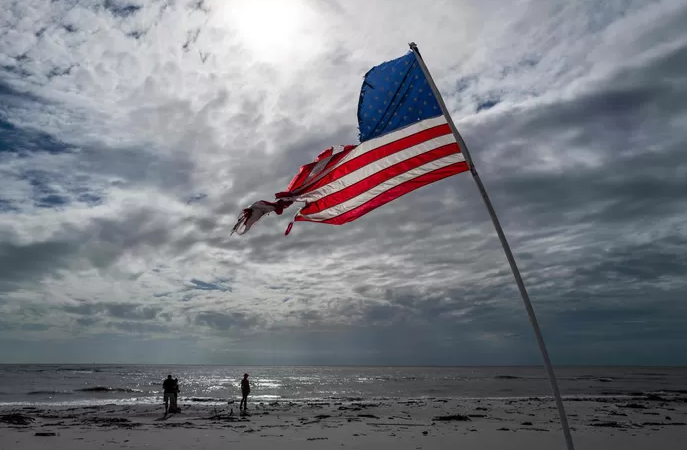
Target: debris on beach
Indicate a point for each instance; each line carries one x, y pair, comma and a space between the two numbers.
16, 419
607, 425
456, 417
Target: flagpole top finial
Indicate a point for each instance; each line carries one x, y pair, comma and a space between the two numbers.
412, 46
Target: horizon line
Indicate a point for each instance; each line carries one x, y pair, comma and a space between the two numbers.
343, 365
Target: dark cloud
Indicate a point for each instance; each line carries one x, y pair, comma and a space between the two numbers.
121, 8
649, 262
226, 321
86, 321
20, 264
100, 242
114, 310
487, 104
10, 326
138, 327
19, 140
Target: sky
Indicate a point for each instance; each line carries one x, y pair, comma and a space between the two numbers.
132, 133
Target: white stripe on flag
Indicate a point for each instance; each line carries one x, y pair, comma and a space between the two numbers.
377, 166
363, 198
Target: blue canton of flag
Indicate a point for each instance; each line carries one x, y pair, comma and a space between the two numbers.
394, 94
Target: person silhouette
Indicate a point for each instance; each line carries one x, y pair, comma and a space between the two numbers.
174, 407
245, 390
169, 392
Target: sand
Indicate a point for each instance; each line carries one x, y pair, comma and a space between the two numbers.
633, 422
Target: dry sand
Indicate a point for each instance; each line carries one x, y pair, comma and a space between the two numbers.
603, 423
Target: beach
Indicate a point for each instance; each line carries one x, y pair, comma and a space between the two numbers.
626, 422
120, 407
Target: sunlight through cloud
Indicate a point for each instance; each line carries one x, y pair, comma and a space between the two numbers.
271, 30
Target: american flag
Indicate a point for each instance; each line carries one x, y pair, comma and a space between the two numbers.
405, 143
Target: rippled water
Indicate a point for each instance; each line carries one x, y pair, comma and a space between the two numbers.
132, 384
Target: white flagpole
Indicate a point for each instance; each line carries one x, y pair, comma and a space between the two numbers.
506, 249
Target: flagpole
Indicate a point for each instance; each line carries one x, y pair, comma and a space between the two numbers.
506, 249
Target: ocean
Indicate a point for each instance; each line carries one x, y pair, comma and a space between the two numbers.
84, 385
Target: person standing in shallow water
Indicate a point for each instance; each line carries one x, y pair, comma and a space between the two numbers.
169, 392
245, 390
174, 407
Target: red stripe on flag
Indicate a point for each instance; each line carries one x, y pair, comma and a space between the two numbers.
377, 178
297, 182
304, 173
373, 155
393, 194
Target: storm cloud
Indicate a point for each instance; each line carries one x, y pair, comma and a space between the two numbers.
133, 133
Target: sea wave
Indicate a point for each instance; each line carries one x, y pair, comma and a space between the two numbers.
347, 399
204, 399
78, 369
49, 393
108, 389
616, 392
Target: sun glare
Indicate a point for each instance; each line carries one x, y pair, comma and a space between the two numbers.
269, 29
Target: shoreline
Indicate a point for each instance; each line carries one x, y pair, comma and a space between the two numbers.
215, 401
